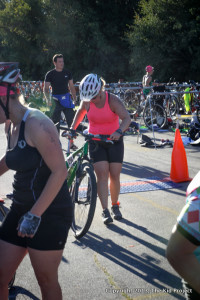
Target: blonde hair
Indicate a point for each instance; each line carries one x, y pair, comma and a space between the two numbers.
103, 83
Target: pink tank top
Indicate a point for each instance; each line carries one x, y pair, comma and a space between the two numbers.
102, 120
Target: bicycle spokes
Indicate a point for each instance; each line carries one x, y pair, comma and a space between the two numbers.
84, 199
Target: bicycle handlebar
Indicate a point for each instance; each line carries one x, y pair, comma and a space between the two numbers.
75, 133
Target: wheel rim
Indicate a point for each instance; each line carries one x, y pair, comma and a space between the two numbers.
82, 204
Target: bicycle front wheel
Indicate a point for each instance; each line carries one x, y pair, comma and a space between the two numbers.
155, 116
84, 200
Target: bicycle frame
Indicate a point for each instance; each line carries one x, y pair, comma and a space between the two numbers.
73, 162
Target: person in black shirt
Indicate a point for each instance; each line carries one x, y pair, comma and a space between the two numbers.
62, 85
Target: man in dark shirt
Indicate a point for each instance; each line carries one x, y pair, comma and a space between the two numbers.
62, 86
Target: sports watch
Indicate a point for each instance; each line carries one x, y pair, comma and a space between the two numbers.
119, 131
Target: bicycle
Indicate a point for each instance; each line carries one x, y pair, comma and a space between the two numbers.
129, 95
154, 114
171, 101
2, 217
81, 181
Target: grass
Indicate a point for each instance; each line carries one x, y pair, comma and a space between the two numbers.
39, 103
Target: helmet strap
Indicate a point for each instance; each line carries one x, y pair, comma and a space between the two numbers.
7, 103
5, 108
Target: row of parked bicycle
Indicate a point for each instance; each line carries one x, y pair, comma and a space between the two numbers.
164, 101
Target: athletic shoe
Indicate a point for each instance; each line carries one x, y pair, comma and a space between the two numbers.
73, 147
115, 212
106, 216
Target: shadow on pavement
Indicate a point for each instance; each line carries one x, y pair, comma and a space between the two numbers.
143, 266
141, 171
15, 291
144, 230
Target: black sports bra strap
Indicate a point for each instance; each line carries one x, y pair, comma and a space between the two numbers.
21, 131
8, 135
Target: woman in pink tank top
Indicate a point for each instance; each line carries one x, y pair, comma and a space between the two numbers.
107, 116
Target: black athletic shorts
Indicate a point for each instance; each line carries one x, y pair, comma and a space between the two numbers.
51, 234
102, 151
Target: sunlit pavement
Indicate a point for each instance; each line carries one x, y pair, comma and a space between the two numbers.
125, 260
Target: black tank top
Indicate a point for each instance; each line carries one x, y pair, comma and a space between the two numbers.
31, 173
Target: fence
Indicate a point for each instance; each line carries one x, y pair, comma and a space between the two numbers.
35, 88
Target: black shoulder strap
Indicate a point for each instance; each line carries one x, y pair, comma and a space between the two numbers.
8, 135
21, 131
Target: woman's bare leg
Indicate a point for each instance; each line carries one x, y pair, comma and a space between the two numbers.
10, 258
45, 265
102, 171
115, 170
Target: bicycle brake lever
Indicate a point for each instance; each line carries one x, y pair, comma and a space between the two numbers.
73, 133
64, 134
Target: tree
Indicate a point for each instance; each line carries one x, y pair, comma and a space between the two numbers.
166, 34
21, 31
89, 33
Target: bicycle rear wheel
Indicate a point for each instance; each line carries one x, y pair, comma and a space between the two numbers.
2, 216
172, 106
84, 200
156, 116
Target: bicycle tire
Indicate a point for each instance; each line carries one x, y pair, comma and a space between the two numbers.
155, 117
198, 114
130, 99
2, 216
2, 213
173, 105
84, 198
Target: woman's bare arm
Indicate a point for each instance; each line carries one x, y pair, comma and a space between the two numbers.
44, 136
81, 112
118, 108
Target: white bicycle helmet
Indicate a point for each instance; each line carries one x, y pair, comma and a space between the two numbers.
9, 72
89, 87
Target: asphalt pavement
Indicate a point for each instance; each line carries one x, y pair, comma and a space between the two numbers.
125, 260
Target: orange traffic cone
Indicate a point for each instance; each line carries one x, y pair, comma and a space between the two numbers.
179, 167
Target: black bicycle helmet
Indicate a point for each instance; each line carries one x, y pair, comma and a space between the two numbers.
9, 73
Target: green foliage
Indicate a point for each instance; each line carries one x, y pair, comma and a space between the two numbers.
115, 38
90, 35
166, 34
21, 34
40, 104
